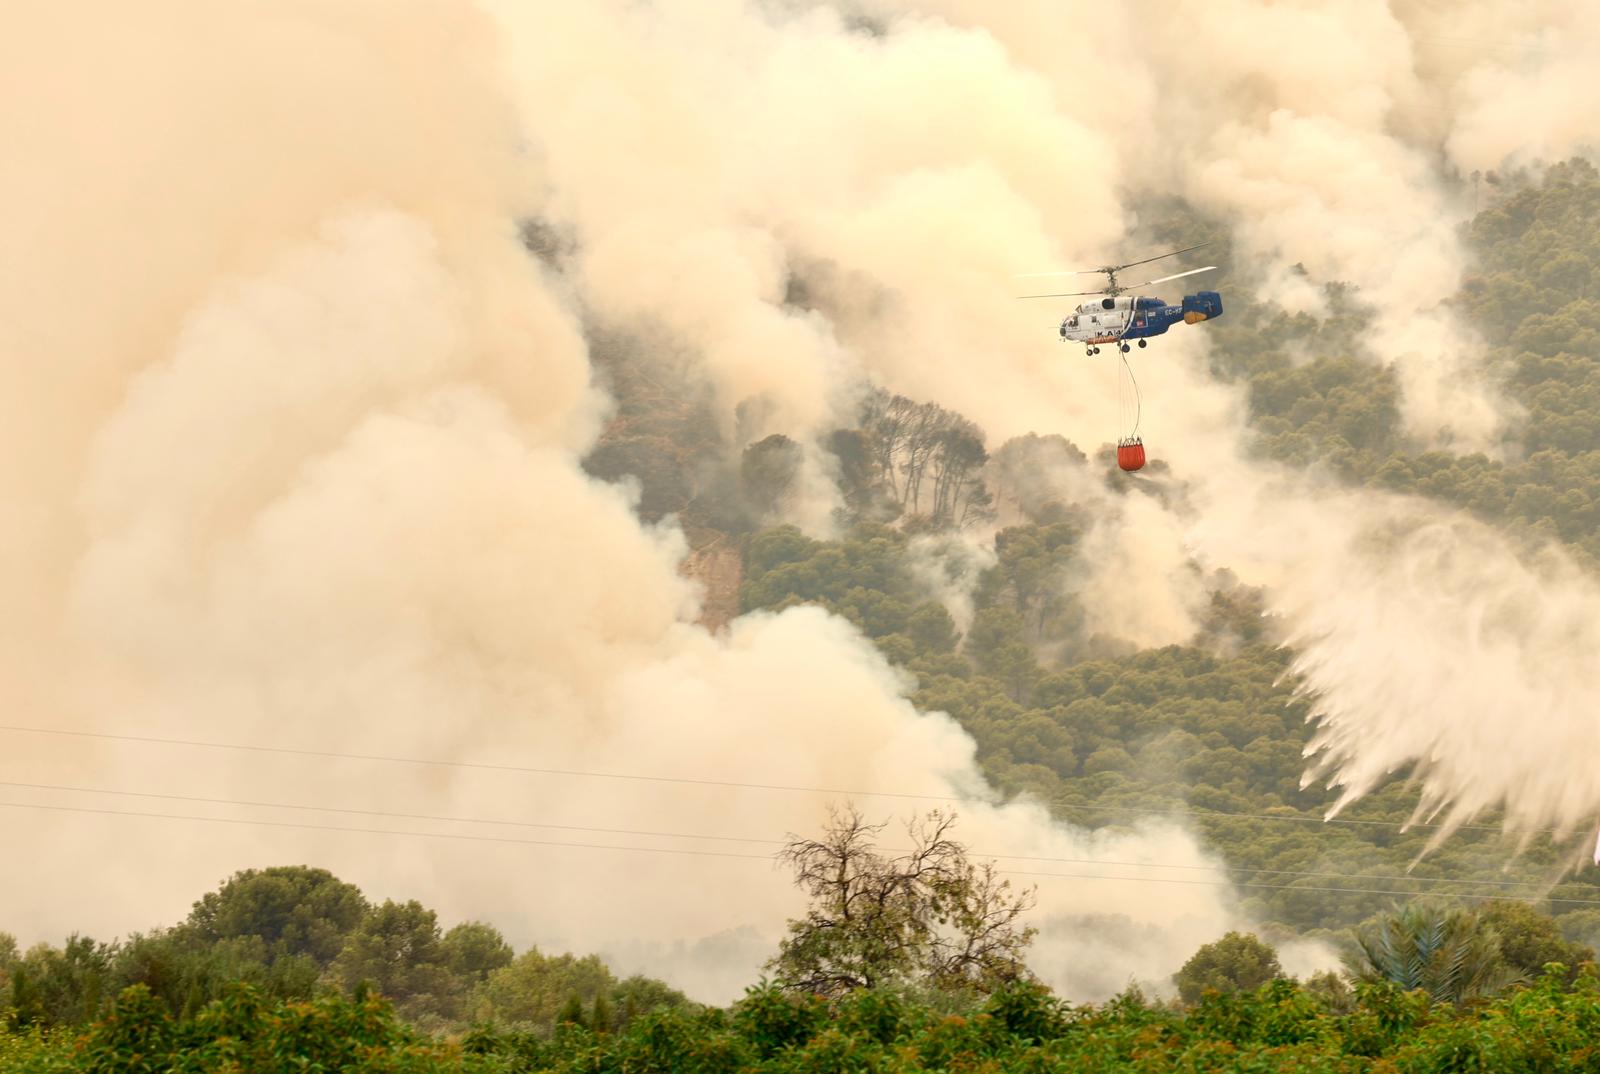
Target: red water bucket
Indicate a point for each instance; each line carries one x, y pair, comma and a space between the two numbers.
1130, 453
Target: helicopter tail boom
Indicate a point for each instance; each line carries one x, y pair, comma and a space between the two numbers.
1201, 306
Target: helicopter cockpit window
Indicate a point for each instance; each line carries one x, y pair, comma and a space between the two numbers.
1072, 322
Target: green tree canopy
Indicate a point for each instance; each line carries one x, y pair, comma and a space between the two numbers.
1239, 962
398, 950
998, 647
534, 987
66, 985
294, 909
1530, 939
639, 995
472, 950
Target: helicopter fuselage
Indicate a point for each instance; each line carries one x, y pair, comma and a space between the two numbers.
1113, 318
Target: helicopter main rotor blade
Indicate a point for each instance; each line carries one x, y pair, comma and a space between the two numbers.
1106, 268
1068, 272
1164, 279
1158, 257
1065, 294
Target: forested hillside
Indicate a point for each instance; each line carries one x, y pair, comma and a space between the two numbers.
1213, 730
1532, 298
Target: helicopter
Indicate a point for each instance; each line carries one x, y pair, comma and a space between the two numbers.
1117, 317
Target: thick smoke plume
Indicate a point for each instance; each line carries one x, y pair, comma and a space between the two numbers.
295, 462
291, 423
966, 141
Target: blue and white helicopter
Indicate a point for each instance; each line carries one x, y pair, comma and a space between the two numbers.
1117, 317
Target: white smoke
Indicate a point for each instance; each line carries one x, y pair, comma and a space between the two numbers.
299, 467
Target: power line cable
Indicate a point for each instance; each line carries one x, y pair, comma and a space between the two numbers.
377, 812
1254, 870
386, 831
475, 765
754, 857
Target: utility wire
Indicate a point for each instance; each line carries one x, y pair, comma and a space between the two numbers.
749, 857
388, 831
1256, 871
378, 813
773, 842
1200, 813
478, 765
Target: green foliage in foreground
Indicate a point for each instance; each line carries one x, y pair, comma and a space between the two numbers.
1550, 1026
298, 934
1237, 962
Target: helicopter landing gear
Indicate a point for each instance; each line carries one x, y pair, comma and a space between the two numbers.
1126, 348
1141, 343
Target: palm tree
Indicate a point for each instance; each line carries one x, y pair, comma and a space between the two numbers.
1447, 952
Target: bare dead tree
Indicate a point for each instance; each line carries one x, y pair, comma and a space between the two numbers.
981, 940
924, 915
